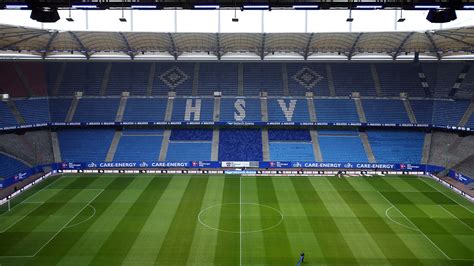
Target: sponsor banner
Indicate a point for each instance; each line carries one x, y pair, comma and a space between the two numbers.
350, 165
460, 177
233, 123
240, 172
235, 164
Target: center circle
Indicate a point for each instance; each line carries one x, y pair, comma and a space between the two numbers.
240, 217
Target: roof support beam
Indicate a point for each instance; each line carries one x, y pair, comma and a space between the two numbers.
455, 39
218, 47
354, 45
46, 48
22, 40
262, 47
433, 45
308, 44
173, 51
400, 47
127, 45
83, 51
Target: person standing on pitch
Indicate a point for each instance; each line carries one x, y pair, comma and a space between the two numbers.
301, 258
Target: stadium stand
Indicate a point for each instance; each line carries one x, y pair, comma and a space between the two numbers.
441, 77
84, 145
203, 109
396, 146
336, 111
449, 112
131, 77
33, 147
307, 77
251, 107
34, 110
396, 78
288, 110
423, 110
353, 77
34, 74
466, 89
6, 116
190, 145
10, 166
240, 145
262, 77
96, 110
85, 77
52, 70
145, 109
59, 108
176, 77
221, 77
341, 146
385, 111
290, 145
139, 145
10, 82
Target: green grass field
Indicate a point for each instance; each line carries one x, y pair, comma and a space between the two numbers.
232, 220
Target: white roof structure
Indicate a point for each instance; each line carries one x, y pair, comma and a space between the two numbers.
22, 42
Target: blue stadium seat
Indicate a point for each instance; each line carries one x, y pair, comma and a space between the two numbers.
263, 77
291, 151
396, 146
353, 77
34, 110
191, 135
59, 108
206, 112
276, 106
189, 151
341, 146
83, 145
336, 111
385, 111
449, 112
139, 147
240, 145
229, 113
96, 110
176, 77
10, 166
6, 117
145, 109
131, 77
396, 78
441, 77
221, 77
423, 110
289, 135
307, 77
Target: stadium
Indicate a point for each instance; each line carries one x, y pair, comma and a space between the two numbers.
236, 132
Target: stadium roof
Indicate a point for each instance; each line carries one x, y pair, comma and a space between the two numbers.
21, 42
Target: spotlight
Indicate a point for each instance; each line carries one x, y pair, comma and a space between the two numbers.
441, 15
401, 20
123, 19
350, 19
44, 14
70, 19
235, 20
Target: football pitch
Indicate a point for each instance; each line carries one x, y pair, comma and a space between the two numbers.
237, 220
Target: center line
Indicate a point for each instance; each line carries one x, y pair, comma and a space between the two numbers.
240, 218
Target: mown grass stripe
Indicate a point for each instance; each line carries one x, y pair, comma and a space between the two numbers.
333, 246
227, 246
23, 228
62, 244
437, 198
126, 232
178, 240
388, 241
430, 227
277, 244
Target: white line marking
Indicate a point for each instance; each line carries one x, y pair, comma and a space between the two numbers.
88, 218
46, 187
59, 231
446, 195
240, 220
450, 213
17, 221
388, 216
239, 232
416, 227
